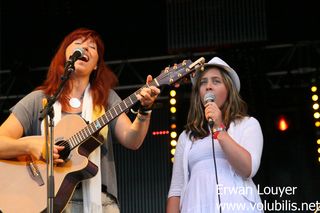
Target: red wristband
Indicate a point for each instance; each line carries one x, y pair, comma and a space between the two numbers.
216, 131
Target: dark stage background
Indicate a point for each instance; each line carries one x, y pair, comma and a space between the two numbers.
273, 45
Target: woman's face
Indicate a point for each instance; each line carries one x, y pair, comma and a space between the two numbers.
86, 64
211, 81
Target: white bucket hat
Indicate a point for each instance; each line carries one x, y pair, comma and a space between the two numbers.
218, 62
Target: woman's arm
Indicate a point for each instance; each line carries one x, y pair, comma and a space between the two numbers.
173, 204
238, 157
12, 145
245, 154
178, 176
132, 134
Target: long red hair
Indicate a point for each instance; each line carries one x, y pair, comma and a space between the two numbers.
101, 80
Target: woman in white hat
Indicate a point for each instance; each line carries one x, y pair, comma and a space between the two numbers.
217, 178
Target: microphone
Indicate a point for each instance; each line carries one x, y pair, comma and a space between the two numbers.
77, 53
209, 97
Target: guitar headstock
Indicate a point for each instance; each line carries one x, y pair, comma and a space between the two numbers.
171, 75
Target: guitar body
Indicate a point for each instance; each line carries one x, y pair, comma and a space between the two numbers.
21, 193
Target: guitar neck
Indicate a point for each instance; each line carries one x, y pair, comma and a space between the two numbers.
168, 77
106, 118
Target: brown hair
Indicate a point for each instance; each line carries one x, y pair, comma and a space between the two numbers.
233, 109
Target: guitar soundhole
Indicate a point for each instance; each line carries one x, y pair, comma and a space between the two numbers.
66, 151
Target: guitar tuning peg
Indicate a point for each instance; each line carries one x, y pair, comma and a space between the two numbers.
184, 62
175, 66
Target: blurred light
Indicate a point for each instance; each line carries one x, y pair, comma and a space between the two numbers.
173, 151
282, 124
315, 97
315, 106
314, 88
173, 134
173, 143
173, 110
317, 124
319, 150
164, 132
173, 93
318, 141
173, 101
316, 115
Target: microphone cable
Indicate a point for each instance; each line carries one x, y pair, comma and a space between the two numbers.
215, 168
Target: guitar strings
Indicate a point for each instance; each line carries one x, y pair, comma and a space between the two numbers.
67, 142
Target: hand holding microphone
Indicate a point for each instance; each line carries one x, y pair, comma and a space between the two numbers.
212, 112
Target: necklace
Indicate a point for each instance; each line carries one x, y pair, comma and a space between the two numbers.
75, 102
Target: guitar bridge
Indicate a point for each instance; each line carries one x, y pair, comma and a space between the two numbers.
34, 172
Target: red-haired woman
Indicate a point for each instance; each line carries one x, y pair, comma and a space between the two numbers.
89, 94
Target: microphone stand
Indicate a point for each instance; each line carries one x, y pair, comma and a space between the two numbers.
45, 112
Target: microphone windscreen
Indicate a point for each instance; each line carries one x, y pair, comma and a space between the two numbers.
209, 97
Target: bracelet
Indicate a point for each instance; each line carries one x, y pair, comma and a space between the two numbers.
134, 112
216, 131
142, 110
145, 111
142, 118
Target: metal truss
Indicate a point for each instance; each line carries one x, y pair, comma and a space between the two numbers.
274, 66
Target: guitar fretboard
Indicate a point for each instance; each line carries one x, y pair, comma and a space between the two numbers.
102, 121
168, 76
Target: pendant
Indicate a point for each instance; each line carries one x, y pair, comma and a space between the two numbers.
75, 103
